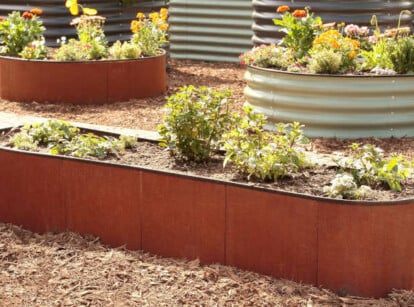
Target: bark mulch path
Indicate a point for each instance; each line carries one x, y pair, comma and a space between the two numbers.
69, 270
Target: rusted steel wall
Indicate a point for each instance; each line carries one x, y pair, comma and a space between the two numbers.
106, 81
351, 11
210, 30
353, 247
56, 16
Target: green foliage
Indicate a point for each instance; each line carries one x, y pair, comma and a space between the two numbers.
326, 61
150, 33
91, 43
87, 144
62, 138
343, 186
262, 154
195, 119
125, 50
35, 50
300, 32
368, 166
378, 56
268, 56
16, 32
402, 54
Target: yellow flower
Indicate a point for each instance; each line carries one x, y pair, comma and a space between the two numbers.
140, 15
164, 13
154, 17
135, 26
163, 27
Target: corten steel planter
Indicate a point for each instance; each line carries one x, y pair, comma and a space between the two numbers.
341, 106
352, 247
81, 82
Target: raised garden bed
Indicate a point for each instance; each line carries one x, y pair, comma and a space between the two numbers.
83, 82
341, 106
354, 247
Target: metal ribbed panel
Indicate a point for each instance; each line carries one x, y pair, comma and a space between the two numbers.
354, 11
56, 17
335, 106
210, 30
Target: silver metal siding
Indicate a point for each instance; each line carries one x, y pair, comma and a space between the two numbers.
334, 106
210, 30
56, 17
353, 11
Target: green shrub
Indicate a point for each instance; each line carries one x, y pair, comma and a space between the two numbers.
262, 154
195, 119
326, 61
402, 55
125, 50
19, 30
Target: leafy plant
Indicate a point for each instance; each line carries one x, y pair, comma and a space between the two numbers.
125, 50
91, 43
402, 55
268, 56
262, 154
149, 33
194, 121
368, 166
326, 61
333, 42
343, 186
300, 28
35, 50
62, 138
19, 30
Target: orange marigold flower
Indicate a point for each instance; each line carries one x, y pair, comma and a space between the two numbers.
352, 54
27, 15
299, 13
36, 11
282, 9
2, 18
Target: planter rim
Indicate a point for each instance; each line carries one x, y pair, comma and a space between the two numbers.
309, 75
12, 58
405, 201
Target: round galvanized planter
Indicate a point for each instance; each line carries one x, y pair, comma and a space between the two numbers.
83, 82
334, 105
357, 12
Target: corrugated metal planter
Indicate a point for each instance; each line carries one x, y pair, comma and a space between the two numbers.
210, 30
83, 82
335, 105
56, 17
354, 11
354, 247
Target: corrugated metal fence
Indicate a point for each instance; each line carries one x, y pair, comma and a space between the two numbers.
351, 11
210, 30
56, 17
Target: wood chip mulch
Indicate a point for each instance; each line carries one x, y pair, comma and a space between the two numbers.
69, 270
